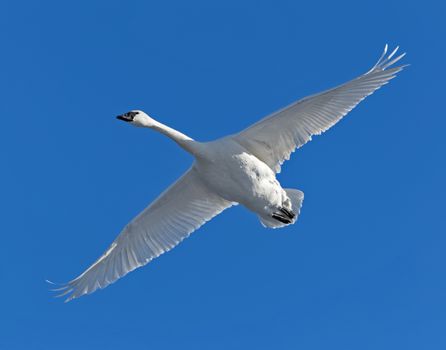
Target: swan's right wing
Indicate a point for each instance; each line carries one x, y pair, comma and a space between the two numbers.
275, 137
179, 211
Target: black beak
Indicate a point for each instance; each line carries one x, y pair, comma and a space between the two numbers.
125, 118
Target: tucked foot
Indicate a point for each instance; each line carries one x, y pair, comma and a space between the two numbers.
282, 218
288, 213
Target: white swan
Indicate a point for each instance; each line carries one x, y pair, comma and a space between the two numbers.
239, 168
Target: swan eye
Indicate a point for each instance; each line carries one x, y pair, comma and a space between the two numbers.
131, 115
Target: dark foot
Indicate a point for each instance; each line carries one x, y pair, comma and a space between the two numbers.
285, 216
288, 213
282, 218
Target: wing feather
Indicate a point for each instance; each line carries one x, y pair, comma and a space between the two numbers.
179, 211
275, 137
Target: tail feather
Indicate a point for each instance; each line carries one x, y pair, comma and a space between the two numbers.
297, 198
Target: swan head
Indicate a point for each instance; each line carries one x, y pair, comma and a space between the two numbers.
137, 118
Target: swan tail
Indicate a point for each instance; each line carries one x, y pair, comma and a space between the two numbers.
297, 198
285, 217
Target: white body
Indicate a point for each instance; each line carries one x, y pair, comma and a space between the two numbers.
235, 174
240, 168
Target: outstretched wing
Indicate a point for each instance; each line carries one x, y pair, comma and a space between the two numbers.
275, 137
179, 211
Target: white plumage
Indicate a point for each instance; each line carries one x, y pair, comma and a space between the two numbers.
236, 169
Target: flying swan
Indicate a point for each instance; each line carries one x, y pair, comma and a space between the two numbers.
237, 169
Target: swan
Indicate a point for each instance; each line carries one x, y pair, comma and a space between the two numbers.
237, 169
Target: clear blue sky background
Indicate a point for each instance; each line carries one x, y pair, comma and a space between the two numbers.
364, 268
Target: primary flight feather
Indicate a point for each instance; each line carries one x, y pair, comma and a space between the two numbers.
237, 169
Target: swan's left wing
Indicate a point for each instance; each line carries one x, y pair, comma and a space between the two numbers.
179, 211
274, 138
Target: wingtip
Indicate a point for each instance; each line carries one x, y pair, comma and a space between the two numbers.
67, 300
387, 63
61, 290
393, 52
384, 61
59, 286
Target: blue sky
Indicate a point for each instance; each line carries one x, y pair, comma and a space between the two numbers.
364, 268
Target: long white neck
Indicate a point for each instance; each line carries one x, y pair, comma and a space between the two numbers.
184, 141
